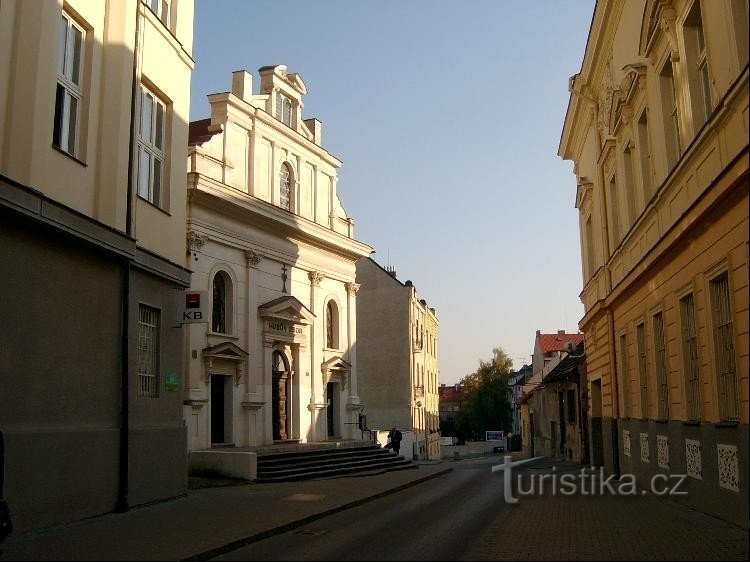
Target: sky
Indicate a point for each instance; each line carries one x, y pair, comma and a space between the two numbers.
447, 117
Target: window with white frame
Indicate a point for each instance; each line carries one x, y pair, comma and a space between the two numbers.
644, 156
625, 372
151, 152
690, 357
283, 109
221, 304
162, 9
69, 89
660, 362
285, 187
332, 325
726, 367
697, 65
148, 351
670, 114
640, 339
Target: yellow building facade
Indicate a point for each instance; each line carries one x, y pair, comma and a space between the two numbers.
94, 104
657, 128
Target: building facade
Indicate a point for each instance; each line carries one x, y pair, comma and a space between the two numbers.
398, 359
94, 98
657, 128
515, 392
274, 250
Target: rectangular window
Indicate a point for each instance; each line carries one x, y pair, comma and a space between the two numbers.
627, 157
729, 392
148, 351
589, 247
162, 9
571, 406
660, 361
151, 147
644, 154
69, 89
690, 357
614, 207
625, 372
640, 333
670, 114
283, 109
697, 66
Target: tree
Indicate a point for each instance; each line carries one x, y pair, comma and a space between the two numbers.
486, 406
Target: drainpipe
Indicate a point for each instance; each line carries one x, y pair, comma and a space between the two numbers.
123, 476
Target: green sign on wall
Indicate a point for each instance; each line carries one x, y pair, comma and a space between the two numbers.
171, 382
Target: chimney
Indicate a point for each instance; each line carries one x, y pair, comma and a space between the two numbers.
560, 332
538, 332
391, 270
242, 84
316, 128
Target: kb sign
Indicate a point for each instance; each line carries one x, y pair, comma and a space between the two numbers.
196, 307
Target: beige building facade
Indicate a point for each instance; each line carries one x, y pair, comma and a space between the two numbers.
94, 100
274, 250
398, 359
657, 128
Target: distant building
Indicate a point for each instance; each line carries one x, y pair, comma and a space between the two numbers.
451, 399
657, 130
275, 251
93, 144
397, 358
549, 347
515, 391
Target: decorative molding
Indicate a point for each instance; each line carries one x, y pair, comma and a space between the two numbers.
352, 288
693, 459
253, 258
729, 474
644, 448
626, 442
315, 278
195, 242
662, 451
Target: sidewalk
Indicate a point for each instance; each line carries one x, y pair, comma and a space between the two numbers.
206, 520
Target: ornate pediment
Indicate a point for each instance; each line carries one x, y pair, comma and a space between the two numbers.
335, 364
227, 354
338, 368
287, 308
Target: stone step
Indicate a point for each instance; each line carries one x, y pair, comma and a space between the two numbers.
270, 457
392, 463
266, 462
377, 458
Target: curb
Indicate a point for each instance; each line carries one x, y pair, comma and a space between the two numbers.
234, 545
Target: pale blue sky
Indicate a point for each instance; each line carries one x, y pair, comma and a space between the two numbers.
447, 116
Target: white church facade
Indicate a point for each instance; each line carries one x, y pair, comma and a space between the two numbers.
274, 251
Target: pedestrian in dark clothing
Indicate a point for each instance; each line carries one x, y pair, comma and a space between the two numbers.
394, 440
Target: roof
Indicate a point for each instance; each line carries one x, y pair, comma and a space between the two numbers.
451, 393
567, 368
198, 132
558, 342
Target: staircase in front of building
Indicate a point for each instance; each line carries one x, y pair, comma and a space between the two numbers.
326, 463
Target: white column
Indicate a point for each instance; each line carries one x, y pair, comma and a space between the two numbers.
351, 334
315, 358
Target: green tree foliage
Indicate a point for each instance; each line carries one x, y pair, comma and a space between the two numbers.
486, 406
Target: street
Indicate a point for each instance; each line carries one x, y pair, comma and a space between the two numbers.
462, 515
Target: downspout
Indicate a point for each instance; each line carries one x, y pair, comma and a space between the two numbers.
122, 495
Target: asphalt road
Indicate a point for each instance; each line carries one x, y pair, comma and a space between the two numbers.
435, 520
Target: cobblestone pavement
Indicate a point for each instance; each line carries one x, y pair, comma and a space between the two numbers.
605, 528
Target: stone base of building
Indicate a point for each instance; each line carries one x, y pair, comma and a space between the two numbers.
714, 458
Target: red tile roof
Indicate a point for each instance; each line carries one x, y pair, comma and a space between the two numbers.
198, 132
447, 393
557, 342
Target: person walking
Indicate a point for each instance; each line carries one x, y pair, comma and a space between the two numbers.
394, 440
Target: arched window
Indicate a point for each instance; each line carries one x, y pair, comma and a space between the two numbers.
285, 183
332, 325
279, 362
222, 304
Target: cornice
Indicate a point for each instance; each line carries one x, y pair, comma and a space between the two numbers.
211, 194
